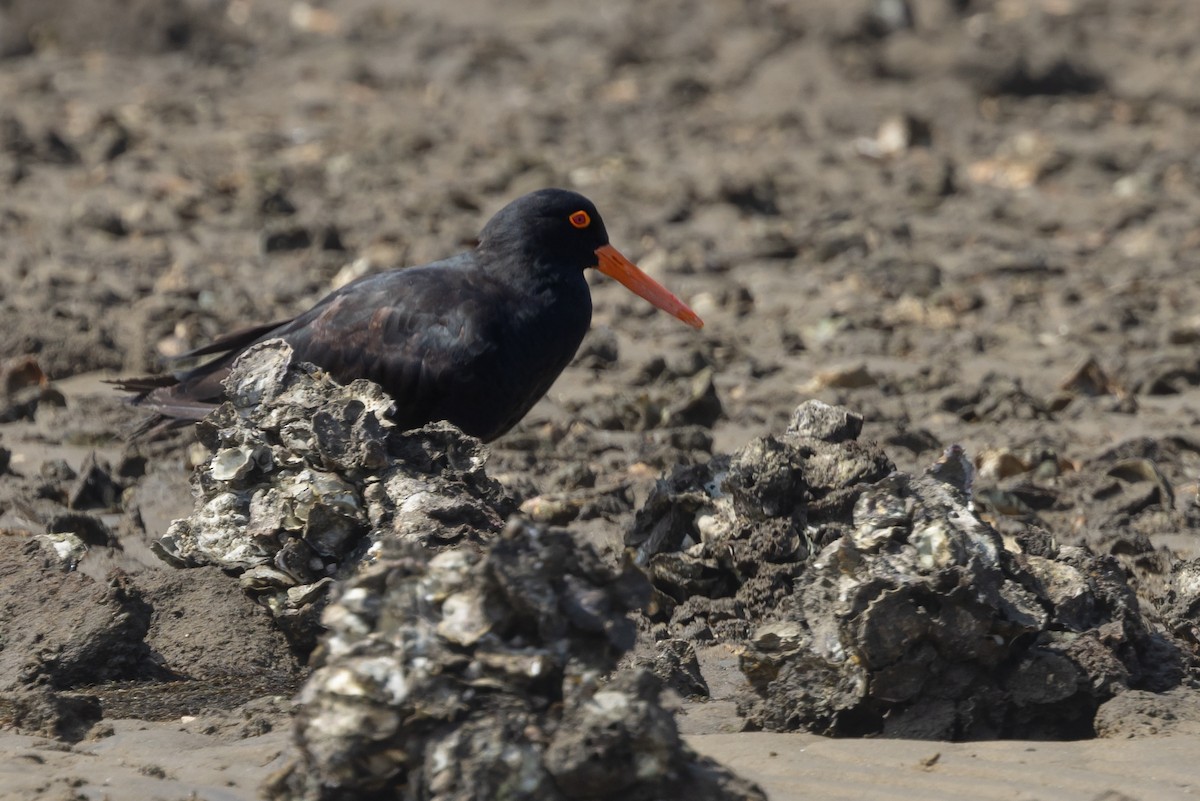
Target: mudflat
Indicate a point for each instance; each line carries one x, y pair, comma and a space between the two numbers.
972, 224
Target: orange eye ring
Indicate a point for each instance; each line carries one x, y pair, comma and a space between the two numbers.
580, 219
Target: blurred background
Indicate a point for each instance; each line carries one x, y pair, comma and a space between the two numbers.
942, 212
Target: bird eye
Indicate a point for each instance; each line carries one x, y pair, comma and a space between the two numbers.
580, 219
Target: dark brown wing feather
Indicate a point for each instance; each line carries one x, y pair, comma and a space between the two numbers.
428, 335
142, 386
419, 333
238, 340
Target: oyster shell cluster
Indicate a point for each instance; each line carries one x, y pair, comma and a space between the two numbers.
307, 477
891, 606
463, 675
735, 534
1181, 602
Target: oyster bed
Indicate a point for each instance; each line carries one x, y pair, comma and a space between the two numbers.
487, 676
968, 223
307, 478
867, 600
892, 607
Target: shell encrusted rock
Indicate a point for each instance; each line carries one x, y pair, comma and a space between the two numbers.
307, 477
478, 676
871, 601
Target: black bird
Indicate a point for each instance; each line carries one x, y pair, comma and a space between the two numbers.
476, 339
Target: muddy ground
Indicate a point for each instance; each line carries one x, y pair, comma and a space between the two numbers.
972, 223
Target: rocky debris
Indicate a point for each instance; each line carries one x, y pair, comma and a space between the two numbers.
70, 536
1091, 380
996, 399
734, 175
690, 401
676, 663
1180, 606
94, 632
923, 621
307, 477
877, 602
553, 469
50, 714
1114, 501
464, 675
66, 510
23, 387
1137, 713
153, 645
896, 135
293, 238
180, 25
735, 534
95, 487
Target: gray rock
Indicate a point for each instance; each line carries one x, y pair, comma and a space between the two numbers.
466, 675
308, 478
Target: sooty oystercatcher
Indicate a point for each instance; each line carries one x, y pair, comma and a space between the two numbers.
476, 339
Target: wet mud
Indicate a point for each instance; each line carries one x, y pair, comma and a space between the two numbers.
929, 471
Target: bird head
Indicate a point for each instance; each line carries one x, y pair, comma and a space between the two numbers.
559, 231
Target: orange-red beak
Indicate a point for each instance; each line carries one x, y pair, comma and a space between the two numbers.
614, 265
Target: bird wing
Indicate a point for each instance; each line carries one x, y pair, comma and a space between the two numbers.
238, 340
189, 395
415, 332
423, 333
